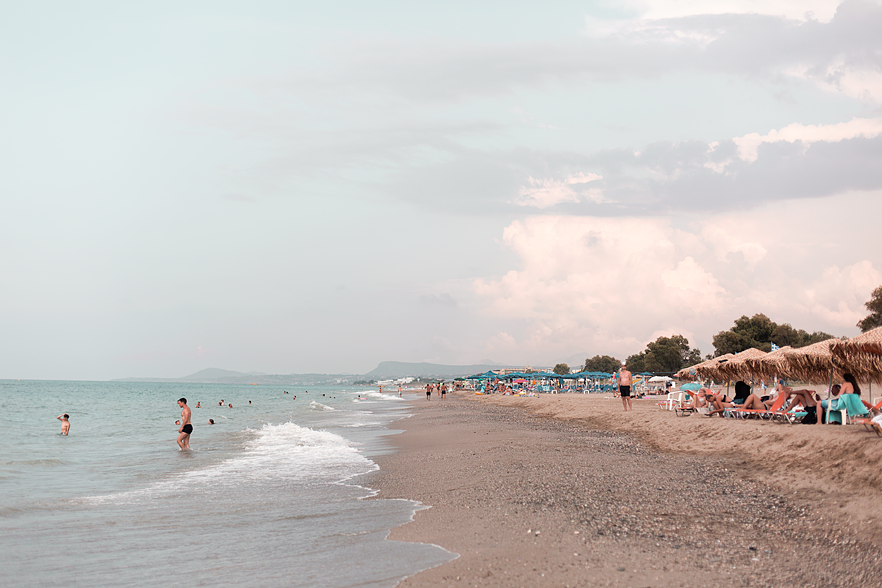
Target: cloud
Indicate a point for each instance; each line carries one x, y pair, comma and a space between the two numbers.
548, 192
796, 162
822, 10
609, 285
384, 117
808, 134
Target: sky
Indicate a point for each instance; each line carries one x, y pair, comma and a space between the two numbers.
296, 187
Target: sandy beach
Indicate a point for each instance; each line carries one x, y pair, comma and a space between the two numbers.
568, 490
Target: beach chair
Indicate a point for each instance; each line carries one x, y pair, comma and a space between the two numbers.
681, 408
776, 410
793, 416
673, 399
867, 421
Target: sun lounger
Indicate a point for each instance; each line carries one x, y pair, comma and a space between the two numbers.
772, 413
673, 399
868, 421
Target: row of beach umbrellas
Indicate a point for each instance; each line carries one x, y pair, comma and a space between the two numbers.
860, 356
542, 376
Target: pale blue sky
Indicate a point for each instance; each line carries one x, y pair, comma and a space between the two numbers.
297, 187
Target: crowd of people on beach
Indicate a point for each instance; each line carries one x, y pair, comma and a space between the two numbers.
782, 400
439, 389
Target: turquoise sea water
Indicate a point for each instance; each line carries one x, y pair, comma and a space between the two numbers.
266, 498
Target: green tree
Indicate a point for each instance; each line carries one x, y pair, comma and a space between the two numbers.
636, 363
874, 305
670, 354
755, 331
561, 369
786, 335
601, 363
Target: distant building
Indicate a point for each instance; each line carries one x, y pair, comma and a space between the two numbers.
525, 370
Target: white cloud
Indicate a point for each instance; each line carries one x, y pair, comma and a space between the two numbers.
722, 240
589, 279
650, 19
855, 80
838, 295
868, 128
611, 285
821, 10
690, 276
548, 192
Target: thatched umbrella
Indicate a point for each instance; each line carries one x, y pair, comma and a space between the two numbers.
811, 364
869, 342
691, 371
770, 364
860, 356
709, 370
737, 368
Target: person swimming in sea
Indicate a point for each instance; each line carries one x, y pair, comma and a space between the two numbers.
210, 421
65, 423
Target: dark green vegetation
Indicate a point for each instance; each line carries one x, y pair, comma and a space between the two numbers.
664, 355
759, 332
874, 305
601, 363
561, 369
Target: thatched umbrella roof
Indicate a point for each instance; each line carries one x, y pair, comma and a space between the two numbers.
708, 370
812, 363
770, 364
737, 368
860, 356
692, 371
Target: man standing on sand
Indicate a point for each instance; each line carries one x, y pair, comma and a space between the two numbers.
428, 391
186, 428
65, 423
625, 388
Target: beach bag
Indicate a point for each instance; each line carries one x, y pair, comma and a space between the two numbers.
811, 417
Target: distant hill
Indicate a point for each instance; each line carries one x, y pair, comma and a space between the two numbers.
386, 369
401, 369
216, 373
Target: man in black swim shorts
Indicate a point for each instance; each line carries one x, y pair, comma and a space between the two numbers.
625, 388
186, 428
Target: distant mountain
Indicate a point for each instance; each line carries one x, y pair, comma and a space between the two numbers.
401, 369
386, 369
214, 374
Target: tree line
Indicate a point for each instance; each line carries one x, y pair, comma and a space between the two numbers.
671, 354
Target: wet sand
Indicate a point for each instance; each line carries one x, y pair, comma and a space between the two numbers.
570, 491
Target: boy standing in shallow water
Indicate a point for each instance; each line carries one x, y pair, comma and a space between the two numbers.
65, 423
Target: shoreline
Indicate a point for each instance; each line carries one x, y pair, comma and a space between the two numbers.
533, 491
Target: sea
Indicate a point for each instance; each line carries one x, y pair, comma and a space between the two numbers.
268, 496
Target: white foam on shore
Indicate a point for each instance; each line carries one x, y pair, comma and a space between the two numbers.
277, 453
319, 406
